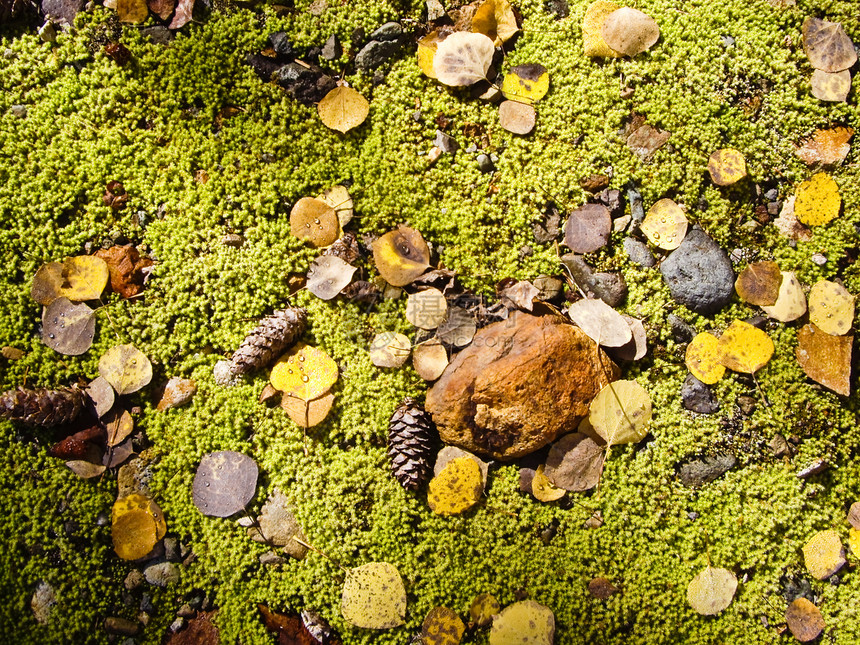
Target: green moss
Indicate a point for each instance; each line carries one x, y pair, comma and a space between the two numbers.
194, 173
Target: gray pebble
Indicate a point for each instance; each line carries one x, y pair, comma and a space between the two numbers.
697, 472
146, 605
485, 164
472, 148
697, 397
133, 580
388, 31
637, 210
819, 258
771, 195
620, 224
445, 143
612, 199
728, 41
638, 253
171, 549
270, 558
682, 331
223, 373
699, 274
177, 625
332, 49
375, 53
158, 34
161, 574
773, 208
609, 287
185, 611
747, 404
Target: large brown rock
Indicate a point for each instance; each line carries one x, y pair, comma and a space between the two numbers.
520, 384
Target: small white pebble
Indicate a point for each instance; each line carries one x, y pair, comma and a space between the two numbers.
819, 258
223, 373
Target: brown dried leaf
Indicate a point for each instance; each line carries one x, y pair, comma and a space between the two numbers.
183, 14
588, 228
828, 147
200, 630
517, 117
401, 256
328, 275
161, 8
225, 482
101, 395
134, 11
315, 221
759, 283
575, 462
827, 45
310, 414
85, 469
601, 588
804, 620
47, 283
825, 359
458, 328
645, 140
630, 31
118, 425
67, 327
126, 267
831, 86
429, 359
521, 295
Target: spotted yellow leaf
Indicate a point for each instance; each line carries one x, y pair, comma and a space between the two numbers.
665, 225
790, 302
823, 554
305, 372
704, 358
373, 596
727, 166
831, 307
745, 348
543, 489
527, 83
592, 24
711, 590
457, 488
817, 200
343, 109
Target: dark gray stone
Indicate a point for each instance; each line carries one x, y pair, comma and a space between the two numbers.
639, 253
637, 210
697, 472
375, 53
699, 274
331, 50
282, 46
171, 549
263, 66
485, 164
682, 331
612, 199
308, 85
609, 287
548, 228
161, 35
697, 397
445, 143
388, 31
146, 605
65, 10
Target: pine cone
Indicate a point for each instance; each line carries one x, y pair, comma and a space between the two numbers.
42, 407
411, 436
269, 339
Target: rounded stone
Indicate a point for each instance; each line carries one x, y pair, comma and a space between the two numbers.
699, 274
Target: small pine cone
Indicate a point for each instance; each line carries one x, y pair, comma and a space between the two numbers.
411, 438
346, 248
269, 339
42, 407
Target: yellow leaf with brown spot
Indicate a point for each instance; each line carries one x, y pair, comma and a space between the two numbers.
496, 20
832, 87
704, 358
823, 554
665, 225
826, 359
745, 348
727, 166
543, 489
457, 488
711, 590
133, 535
126, 368
315, 221
373, 596
343, 109
818, 200
827, 147
527, 83
442, 626
831, 307
592, 25
804, 620
305, 372
401, 256
759, 283
84, 278
527, 622
484, 606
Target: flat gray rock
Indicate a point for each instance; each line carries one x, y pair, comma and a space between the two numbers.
699, 274
698, 397
639, 253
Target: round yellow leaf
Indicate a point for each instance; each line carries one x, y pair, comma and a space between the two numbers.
817, 200
429, 359
704, 358
126, 368
343, 109
84, 278
620, 412
831, 307
496, 20
457, 488
543, 489
592, 25
305, 372
133, 534
483, 608
137, 502
712, 590
823, 554
442, 626
727, 166
401, 256
527, 83
338, 198
373, 596
790, 302
745, 348
831, 86
307, 414
665, 225
315, 221
527, 622
389, 349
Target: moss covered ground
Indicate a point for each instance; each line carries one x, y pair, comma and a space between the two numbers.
156, 122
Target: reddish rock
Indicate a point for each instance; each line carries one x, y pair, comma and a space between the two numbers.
520, 384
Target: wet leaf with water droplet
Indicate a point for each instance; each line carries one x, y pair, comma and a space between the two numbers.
225, 482
68, 327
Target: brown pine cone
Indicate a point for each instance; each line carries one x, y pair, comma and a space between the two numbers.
42, 407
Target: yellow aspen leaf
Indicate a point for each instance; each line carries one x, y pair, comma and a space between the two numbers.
133, 534
817, 200
84, 278
759, 283
526, 622
592, 24
527, 83
484, 606
712, 590
338, 198
85, 469
823, 554
457, 488
401, 256
790, 302
831, 307
804, 620
832, 87
47, 283
665, 225
442, 626
620, 412
543, 489
307, 414
429, 359
745, 348
305, 372
827, 147
126, 368
315, 221
827, 45
826, 359
704, 358
134, 11
496, 20
427, 51
137, 502
727, 166
343, 109
389, 349
854, 541
373, 596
